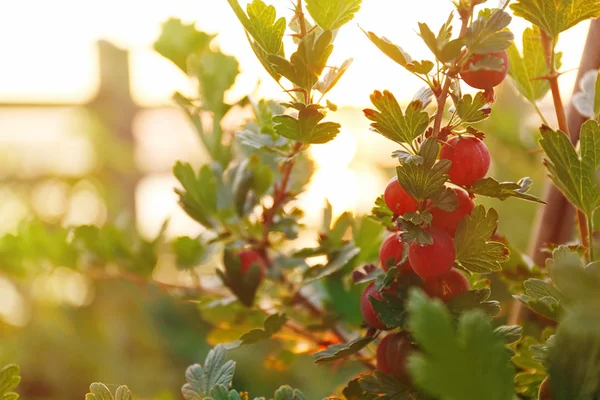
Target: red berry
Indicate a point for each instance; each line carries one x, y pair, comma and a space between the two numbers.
484, 78
470, 159
366, 308
433, 260
397, 199
392, 248
448, 221
392, 355
448, 286
249, 258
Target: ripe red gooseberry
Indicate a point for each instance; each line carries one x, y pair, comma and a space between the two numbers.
448, 221
249, 258
392, 355
448, 286
397, 199
433, 260
484, 78
392, 250
366, 308
470, 159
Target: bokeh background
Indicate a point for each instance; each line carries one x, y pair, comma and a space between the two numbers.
88, 134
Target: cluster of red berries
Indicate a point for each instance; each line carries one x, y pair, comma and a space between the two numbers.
432, 263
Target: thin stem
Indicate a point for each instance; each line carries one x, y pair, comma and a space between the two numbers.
590, 229
443, 96
561, 115
537, 109
301, 21
441, 104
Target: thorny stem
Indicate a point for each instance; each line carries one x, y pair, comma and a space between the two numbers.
443, 96
548, 45
301, 20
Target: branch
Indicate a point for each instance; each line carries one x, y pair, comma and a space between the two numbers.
443, 96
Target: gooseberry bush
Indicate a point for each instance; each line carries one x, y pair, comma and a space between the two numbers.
404, 291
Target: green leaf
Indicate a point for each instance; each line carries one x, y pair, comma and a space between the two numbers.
445, 200
262, 25
332, 77
412, 233
509, 333
390, 310
473, 300
542, 297
490, 187
261, 141
575, 176
386, 386
423, 182
220, 392
332, 14
555, 17
9, 380
441, 46
474, 250
306, 128
422, 67
487, 35
391, 50
342, 350
263, 30
575, 282
532, 65
574, 357
191, 252
199, 195
216, 73
382, 214
287, 393
272, 325
532, 372
451, 365
392, 123
336, 262
353, 391
201, 379
308, 62
99, 391
178, 41
472, 110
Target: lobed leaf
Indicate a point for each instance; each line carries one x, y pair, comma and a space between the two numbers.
575, 175
474, 249
487, 35
308, 62
216, 371
525, 70
332, 14
490, 187
9, 380
477, 299
390, 49
391, 122
307, 128
471, 110
450, 364
271, 326
342, 350
555, 17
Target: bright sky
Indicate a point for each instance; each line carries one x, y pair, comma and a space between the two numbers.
48, 46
